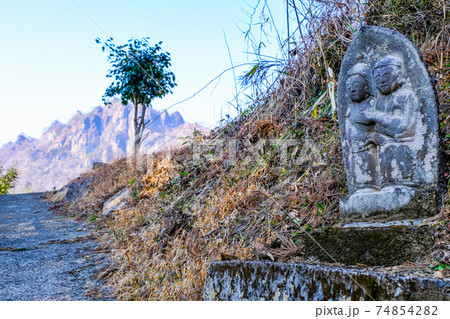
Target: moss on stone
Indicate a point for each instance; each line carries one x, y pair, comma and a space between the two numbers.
372, 246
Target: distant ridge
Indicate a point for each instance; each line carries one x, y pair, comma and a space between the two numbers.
102, 135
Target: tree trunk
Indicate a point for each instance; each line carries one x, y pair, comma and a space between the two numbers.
136, 130
139, 126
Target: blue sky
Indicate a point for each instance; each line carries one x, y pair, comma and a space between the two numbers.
50, 65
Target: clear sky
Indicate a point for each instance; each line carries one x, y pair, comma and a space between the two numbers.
50, 65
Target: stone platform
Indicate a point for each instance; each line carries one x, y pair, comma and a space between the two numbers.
371, 244
250, 280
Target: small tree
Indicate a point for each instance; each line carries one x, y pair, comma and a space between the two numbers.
141, 73
7, 180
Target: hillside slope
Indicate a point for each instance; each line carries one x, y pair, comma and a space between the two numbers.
247, 192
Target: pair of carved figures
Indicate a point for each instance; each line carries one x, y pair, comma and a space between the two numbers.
381, 125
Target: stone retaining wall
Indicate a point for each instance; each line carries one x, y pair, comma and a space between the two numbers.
250, 280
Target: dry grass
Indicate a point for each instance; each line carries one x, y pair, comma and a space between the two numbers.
104, 181
235, 203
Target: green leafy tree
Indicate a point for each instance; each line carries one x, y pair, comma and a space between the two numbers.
7, 180
141, 73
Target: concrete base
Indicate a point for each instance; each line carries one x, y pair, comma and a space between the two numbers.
248, 280
376, 244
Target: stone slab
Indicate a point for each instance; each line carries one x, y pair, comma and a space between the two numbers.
380, 245
252, 280
116, 202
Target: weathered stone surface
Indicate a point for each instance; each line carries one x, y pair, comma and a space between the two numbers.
387, 114
116, 202
249, 280
75, 189
96, 165
378, 244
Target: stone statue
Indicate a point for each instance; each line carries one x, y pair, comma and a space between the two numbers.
363, 158
387, 115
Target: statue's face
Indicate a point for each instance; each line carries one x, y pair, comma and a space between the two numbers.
357, 88
386, 79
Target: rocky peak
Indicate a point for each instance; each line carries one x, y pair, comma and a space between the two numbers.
177, 119
24, 140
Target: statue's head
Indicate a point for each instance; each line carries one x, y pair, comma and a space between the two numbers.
358, 86
388, 73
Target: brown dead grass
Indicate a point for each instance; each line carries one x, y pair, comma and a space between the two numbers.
188, 213
104, 182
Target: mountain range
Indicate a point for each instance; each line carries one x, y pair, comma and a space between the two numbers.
102, 135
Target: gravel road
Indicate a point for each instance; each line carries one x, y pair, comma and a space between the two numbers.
44, 256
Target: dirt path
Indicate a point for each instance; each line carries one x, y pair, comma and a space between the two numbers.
43, 256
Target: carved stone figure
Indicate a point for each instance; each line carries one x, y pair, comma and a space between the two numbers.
389, 129
363, 158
